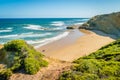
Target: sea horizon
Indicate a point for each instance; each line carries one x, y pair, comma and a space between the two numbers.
36, 31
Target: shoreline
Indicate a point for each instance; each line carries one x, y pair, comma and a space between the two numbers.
49, 40
64, 41
75, 45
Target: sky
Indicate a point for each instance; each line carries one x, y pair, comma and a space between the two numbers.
57, 8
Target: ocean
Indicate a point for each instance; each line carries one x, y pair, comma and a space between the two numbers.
36, 31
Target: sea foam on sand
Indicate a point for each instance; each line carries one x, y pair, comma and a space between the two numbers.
46, 41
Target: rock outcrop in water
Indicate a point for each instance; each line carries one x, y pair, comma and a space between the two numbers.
72, 27
107, 23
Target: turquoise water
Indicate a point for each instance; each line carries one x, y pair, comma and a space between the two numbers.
36, 30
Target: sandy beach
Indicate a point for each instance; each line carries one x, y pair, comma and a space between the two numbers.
74, 45
1, 46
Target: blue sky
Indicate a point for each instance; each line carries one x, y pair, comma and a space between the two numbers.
56, 8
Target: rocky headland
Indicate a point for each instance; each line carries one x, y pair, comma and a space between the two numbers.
107, 23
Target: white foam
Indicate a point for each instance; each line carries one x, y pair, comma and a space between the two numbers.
9, 29
34, 27
58, 23
59, 28
5, 31
46, 41
25, 35
79, 23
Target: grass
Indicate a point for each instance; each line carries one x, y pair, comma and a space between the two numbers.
103, 64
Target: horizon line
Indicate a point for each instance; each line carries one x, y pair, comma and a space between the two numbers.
40, 17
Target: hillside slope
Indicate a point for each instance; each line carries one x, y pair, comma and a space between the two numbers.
103, 64
51, 72
108, 23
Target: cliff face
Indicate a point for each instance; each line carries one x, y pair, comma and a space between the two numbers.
108, 23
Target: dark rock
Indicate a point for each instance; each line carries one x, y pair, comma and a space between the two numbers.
73, 27
70, 27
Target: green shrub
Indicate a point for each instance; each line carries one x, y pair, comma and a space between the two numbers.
43, 63
31, 65
68, 75
112, 78
88, 66
17, 55
15, 45
5, 74
87, 76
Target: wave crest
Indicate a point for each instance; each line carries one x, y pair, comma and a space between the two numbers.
79, 23
25, 35
58, 23
9, 29
34, 27
5, 31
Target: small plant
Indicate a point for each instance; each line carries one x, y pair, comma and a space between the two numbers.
31, 65
5, 74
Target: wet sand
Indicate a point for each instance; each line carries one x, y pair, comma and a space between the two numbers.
75, 45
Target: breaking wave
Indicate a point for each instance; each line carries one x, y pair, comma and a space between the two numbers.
6, 30
25, 35
34, 27
58, 23
79, 23
46, 41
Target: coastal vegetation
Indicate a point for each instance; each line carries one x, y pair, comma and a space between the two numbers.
103, 64
17, 55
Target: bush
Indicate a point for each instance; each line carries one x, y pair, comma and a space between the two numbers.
43, 63
31, 65
112, 78
5, 74
88, 66
87, 76
17, 55
69, 75
15, 45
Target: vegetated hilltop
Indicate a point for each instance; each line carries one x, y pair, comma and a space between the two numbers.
108, 23
103, 64
17, 55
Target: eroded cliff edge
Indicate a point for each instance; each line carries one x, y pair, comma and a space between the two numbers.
107, 23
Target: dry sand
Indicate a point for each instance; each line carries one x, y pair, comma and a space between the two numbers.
1, 46
74, 45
